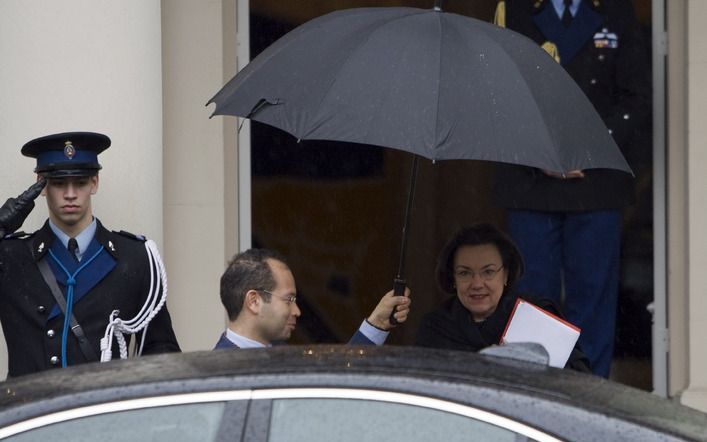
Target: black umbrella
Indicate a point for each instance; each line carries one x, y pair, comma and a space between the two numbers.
436, 84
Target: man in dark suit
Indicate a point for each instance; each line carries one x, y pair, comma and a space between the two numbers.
259, 294
61, 285
568, 228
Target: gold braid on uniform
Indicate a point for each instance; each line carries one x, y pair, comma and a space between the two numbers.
499, 18
551, 48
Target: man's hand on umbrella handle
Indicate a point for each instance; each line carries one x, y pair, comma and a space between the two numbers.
390, 305
15, 210
399, 286
577, 173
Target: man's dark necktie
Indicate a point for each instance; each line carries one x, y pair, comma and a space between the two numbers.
567, 15
73, 248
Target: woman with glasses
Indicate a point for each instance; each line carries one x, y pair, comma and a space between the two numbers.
480, 266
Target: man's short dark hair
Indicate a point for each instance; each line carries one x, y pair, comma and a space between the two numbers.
247, 270
476, 235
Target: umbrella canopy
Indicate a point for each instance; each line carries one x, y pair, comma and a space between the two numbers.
439, 85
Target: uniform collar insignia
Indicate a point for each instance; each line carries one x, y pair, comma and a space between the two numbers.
42, 240
103, 238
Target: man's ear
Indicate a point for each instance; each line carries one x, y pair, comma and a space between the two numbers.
44, 189
94, 184
252, 301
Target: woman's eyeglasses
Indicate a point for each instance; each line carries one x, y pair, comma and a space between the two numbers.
466, 275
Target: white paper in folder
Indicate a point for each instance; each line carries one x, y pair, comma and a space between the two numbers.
530, 323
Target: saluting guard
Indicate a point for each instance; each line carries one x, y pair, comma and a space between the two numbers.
70, 291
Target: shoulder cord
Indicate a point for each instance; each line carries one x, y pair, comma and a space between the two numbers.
153, 304
70, 284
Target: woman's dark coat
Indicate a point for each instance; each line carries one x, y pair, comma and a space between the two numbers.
451, 327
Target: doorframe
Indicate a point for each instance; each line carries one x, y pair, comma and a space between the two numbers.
660, 331
659, 306
245, 223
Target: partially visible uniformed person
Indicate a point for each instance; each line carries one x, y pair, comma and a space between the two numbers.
95, 272
570, 226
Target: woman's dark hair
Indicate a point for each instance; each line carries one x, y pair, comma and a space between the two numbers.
476, 235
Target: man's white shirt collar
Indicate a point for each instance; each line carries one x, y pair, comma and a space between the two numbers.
83, 239
560, 7
242, 341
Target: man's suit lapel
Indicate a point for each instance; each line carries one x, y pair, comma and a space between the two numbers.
224, 342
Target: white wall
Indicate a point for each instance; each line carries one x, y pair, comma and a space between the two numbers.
677, 241
696, 394
199, 162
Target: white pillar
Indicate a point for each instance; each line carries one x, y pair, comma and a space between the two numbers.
676, 204
199, 56
86, 65
696, 394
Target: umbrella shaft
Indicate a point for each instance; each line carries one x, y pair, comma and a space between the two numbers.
406, 221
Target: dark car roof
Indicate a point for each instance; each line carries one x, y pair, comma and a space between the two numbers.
457, 376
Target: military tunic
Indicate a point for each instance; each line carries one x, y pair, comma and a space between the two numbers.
117, 279
604, 52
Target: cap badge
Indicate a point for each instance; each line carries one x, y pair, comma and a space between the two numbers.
69, 150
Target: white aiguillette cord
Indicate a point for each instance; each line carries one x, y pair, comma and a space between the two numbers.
153, 303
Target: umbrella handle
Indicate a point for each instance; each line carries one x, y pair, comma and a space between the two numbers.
398, 290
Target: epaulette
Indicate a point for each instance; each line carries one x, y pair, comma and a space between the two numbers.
19, 235
499, 18
131, 235
551, 48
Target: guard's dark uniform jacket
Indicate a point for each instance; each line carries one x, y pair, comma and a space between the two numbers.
118, 278
604, 52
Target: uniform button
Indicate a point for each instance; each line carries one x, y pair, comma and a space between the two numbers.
601, 57
626, 116
54, 360
41, 309
593, 81
50, 333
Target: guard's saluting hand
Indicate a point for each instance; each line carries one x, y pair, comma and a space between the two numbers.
15, 210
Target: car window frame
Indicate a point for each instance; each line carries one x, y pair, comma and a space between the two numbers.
243, 404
